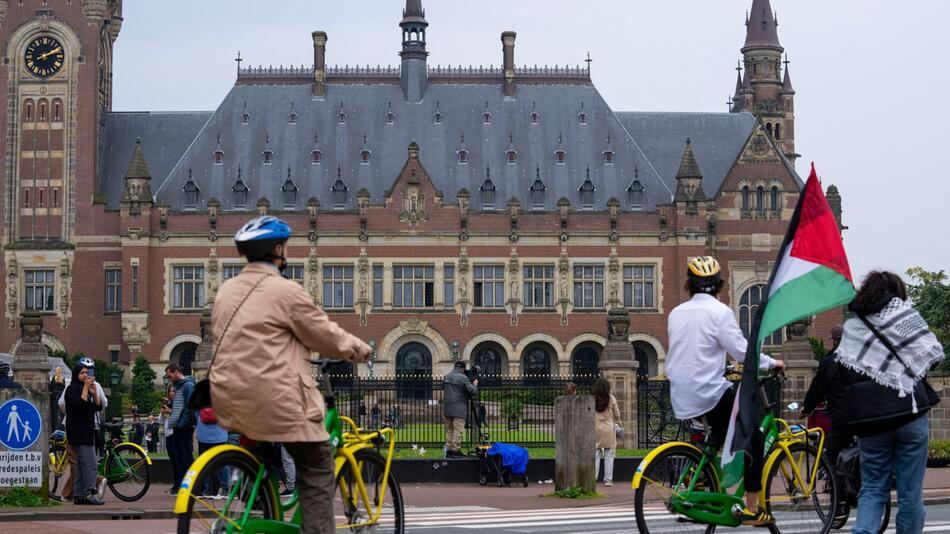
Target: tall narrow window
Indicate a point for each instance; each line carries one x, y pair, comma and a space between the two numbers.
42, 107
191, 194
760, 199
289, 191
364, 157
39, 289
448, 285
240, 191
268, 157
316, 157
377, 285
537, 192
463, 157
26, 198
489, 286
589, 286
135, 287
28, 111
487, 191
219, 157
635, 194
778, 131
774, 200
586, 191
339, 190
40, 199
57, 115
113, 290
745, 198
512, 157
55, 197
486, 118
560, 157
338, 286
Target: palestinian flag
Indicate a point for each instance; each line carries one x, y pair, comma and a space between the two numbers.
810, 276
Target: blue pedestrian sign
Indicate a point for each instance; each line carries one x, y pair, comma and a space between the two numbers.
20, 424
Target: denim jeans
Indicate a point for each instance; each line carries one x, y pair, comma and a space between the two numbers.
903, 453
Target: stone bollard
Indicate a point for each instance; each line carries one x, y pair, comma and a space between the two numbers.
574, 424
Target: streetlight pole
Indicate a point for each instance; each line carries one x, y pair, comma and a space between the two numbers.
114, 381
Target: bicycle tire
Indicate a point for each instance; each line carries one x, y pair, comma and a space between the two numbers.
826, 480
843, 517
139, 470
233, 460
53, 483
373, 464
678, 458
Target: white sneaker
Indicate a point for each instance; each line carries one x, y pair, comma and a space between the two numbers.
609, 483
101, 488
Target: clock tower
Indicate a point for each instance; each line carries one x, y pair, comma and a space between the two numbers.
57, 68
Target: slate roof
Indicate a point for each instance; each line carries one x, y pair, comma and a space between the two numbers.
761, 26
165, 136
366, 107
716, 140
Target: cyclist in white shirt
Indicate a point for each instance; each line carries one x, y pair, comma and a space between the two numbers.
703, 331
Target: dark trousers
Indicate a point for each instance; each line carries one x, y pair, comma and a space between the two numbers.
84, 479
315, 485
219, 480
181, 452
718, 420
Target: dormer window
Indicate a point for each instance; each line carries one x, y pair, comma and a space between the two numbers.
245, 116
608, 157
486, 118
437, 118
537, 191
240, 190
463, 157
289, 191
341, 116
268, 156
339, 190
560, 156
512, 157
390, 118
191, 193
535, 118
487, 191
582, 118
292, 116
219, 157
635, 194
364, 156
586, 191
316, 157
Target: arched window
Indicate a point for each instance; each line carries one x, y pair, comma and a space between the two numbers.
245, 117
364, 156
437, 118
585, 363
292, 118
536, 363
492, 362
560, 156
57, 110
316, 157
760, 199
768, 129
488, 194
42, 111
748, 305
774, 200
413, 371
289, 190
582, 118
28, 111
512, 157
635, 194
240, 191
341, 117
463, 157
486, 118
390, 118
26, 198
268, 156
778, 131
219, 157
191, 194
535, 117
745, 198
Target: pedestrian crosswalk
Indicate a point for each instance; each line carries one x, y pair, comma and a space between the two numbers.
614, 519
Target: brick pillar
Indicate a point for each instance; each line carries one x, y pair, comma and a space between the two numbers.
31, 367
508, 60
800, 364
619, 366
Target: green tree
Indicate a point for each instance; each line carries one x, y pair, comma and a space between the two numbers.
931, 296
143, 378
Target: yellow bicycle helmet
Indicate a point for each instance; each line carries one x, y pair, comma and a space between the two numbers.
704, 273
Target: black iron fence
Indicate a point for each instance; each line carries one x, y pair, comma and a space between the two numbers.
508, 409
656, 422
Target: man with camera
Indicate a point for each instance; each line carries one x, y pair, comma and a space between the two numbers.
457, 389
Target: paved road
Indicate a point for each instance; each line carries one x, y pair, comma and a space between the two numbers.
467, 520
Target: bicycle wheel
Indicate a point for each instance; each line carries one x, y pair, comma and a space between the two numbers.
214, 512
57, 468
672, 470
349, 509
786, 500
127, 473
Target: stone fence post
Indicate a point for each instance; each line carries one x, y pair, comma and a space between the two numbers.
800, 365
619, 367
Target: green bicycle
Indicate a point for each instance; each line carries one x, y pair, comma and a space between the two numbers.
235, 489
125, 466
678, 484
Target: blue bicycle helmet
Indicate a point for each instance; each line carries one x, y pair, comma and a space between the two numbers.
259, 236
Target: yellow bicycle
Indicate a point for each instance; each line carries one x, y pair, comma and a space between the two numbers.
235, 489
125, 466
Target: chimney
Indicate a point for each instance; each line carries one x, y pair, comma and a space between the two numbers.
319, 63
508, 49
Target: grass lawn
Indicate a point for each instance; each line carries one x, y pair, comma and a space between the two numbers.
407, 435
542, 452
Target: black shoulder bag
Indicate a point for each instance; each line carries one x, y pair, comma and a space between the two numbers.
875, 409
201, 396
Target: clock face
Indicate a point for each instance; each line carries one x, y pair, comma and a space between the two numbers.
44, 56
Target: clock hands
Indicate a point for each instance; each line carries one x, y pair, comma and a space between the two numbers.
50, 53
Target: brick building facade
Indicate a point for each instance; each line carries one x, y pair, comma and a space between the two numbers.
490, 214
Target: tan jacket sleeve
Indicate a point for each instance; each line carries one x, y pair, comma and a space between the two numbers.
313, 328
615, 410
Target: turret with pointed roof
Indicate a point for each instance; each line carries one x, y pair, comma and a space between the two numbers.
689, 179
414, 74
761, 27
137, 178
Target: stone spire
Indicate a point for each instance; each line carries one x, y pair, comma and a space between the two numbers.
689, 179
137, 178
787, 81
414, 73
761, 27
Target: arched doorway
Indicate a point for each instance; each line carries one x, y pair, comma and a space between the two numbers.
585, 363
536, 363
184, 355
492, 361
413, 371
646, 357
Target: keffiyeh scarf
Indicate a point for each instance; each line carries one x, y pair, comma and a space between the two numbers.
918, 348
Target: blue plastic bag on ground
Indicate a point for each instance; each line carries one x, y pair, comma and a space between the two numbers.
512, 456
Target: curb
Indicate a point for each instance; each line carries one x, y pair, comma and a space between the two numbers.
126, 515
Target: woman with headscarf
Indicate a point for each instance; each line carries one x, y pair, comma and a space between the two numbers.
82, 403
888, 349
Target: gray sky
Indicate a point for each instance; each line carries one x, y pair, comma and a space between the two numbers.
870, 76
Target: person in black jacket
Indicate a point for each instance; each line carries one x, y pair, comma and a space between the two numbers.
829, 386
457, 390
82, 403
